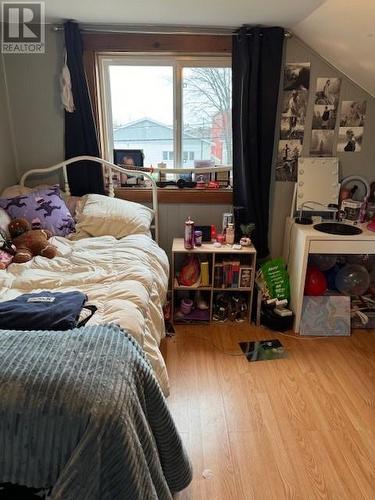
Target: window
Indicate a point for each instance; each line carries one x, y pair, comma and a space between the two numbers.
177, 110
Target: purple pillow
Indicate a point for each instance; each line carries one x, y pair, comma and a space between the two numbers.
44, 209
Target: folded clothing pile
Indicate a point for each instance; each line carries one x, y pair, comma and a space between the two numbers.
44, 311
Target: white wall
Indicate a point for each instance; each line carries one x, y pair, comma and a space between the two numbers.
8, 174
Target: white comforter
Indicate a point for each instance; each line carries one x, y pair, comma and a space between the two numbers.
126, 279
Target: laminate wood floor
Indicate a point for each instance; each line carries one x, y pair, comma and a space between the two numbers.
301, 427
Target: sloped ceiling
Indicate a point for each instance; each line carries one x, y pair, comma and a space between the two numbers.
183, 12
341, 31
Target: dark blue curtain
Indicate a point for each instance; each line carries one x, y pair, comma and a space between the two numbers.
80, 131
256, 65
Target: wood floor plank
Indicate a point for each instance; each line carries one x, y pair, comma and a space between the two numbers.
296, 428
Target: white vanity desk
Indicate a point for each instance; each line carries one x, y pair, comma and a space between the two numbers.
301, 240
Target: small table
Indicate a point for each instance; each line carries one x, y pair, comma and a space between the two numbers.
216, 257
300, 241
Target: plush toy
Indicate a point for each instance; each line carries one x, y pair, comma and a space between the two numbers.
7, 250
30, 242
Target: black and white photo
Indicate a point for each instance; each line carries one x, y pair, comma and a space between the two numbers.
328, 91
293, 114
352, 113
350, 140
297, 76
287, 160
324, 117
322, 143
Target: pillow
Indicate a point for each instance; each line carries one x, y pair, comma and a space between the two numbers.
16, 190
43, 208
4, 221
71, 202
99, 215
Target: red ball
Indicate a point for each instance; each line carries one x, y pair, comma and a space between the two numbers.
316, 282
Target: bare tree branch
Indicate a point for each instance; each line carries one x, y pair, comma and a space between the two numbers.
208, 95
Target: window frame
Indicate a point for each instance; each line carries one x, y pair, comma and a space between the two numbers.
178, 63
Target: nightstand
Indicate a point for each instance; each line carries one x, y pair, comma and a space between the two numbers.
227, 281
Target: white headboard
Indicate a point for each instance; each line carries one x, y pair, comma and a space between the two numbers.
111, 167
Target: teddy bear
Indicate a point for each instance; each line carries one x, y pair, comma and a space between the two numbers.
30, 242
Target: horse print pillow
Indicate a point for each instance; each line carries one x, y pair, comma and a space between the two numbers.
44, 209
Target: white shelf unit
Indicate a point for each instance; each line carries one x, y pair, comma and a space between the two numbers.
247, 256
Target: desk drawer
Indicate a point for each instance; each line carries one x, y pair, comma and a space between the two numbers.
342, 246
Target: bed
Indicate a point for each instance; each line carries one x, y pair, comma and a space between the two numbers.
125, 275
115, 262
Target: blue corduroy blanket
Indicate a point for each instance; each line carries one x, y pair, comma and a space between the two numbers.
81, 411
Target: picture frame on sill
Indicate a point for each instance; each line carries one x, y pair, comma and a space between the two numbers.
223, 178
130, 159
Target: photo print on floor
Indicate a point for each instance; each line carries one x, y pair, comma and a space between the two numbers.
263, 350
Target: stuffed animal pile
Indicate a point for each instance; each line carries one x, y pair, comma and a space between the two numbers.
25, 243
30, 242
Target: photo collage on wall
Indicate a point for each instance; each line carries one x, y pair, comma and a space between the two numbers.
296, 86
352, 120
326, 104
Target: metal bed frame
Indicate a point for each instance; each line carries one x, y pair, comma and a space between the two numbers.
111, 167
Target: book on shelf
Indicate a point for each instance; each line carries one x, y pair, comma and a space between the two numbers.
235, 274
218, 275
205, 278
227, 274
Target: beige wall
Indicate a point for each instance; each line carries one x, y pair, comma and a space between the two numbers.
38, 117
8, 174
362, 163
38, 123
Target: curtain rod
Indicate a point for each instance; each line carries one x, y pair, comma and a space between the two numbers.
157, 30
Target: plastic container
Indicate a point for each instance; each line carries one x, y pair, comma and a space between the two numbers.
198, 238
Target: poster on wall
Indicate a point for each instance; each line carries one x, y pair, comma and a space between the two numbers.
287, 160
322, 142
353, 113
328, 91
352, 120
297, 76
350, 140
327, 96
295, 96
324, 117
293, 114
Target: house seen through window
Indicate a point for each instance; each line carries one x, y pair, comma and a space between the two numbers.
176, 110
